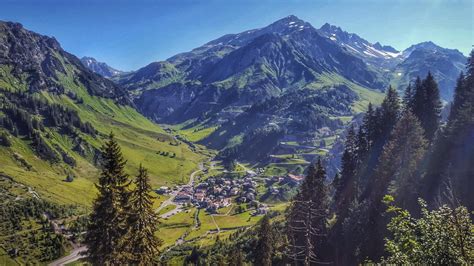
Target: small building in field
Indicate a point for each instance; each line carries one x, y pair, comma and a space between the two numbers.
163, 190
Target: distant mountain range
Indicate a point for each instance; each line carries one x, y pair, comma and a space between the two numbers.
288, 80
401, 67
225, 79
100, 68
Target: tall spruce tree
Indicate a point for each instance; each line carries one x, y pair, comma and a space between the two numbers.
390, 111
450, 171
384, 119
418, 99
426, 105
432, 105
345, 188
236, 257
369, 126
141, 243
105, 230
265, 243
460, 97
396, 173
307, 219
408, 98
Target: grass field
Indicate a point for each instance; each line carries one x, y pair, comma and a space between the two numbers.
366, 95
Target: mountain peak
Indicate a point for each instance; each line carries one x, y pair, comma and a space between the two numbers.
284, 26
428, 46
100, 68
290, 18
331, 28
287, 25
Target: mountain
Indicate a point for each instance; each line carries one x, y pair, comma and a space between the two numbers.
100, 68
401, 67
374, 54
215, 86
55, 114
226, 79
445, 65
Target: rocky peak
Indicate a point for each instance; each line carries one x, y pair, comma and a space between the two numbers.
100, 68
41, 58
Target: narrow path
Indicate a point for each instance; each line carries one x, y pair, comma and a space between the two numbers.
75, 255
217, 226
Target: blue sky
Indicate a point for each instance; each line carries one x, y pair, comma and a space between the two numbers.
130, 34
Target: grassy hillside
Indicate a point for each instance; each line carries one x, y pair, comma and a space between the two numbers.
141, 141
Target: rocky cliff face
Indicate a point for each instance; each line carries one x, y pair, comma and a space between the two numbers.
41, 61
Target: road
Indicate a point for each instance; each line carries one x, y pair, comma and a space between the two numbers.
173, 194
75, 255
75, 252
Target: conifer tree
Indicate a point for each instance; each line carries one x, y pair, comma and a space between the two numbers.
306, 226
236, 257
105, 230
418, 99
460, 97
369, 126
450, 169
345, 190
396, 174
408, 98
426, 105
265, 243
390, 111
432, 107
140, 243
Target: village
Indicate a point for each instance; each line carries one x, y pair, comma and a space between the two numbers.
221, 191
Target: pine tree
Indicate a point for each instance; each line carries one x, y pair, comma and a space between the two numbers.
450, 169
460, 97
432, 106
369, 126
408, 98
140, 243
426, 105
265, 243
418, 99
105, 230
390, 111
384, 119
307, 217
345, 190
397, 174
236, 257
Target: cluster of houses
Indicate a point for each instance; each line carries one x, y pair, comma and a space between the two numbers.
218, 192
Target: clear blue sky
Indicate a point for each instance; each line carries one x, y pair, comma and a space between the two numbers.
130, 34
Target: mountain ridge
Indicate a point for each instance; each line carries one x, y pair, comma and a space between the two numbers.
100, 68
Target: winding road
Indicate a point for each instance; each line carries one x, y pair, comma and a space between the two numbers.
73, 256
75, 253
